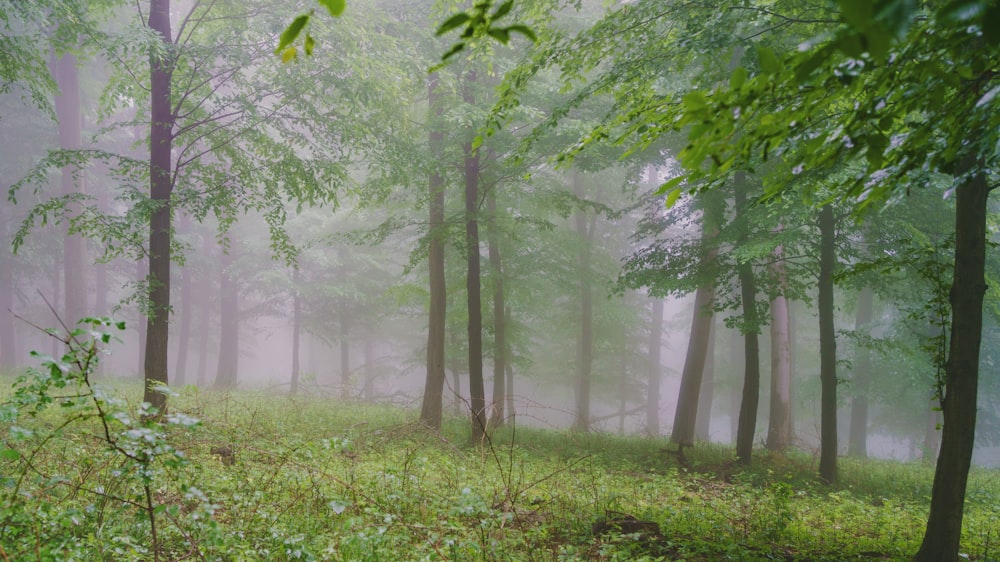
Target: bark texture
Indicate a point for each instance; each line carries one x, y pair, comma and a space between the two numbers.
827, 348
499, 323
751, 345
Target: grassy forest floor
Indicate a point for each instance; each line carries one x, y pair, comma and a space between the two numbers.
269, 477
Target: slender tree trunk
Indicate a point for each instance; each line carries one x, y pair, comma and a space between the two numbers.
8, 349
56, 272
779, 430
473, 283
431, 407
204, 315
932, 432
296, 329
857, 441
585, 345
184, 331
141, 317
229, 325
703, 421
944, 525
509, 387
827, 348
368, 394
160, 187
751, 325
654, 348
67, 106
499, 324
345, 352
686, 414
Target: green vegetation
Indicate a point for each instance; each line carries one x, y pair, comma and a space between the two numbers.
244, 476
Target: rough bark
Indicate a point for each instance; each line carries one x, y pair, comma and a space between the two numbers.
160, 187
431, 406
779, 429
944, 525
751, 345
686, 414
655, 374
499, 324
229, 325
827, 348
473, 283
585, 343
857, 439
296, 330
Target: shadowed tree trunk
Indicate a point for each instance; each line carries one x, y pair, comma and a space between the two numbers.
654, 348
431, 406
229, 324
827, 347
703, 421
857, 441
67, 106
499, 324
779, 429
509, 387
944, 525
473, 282
160, 188
141, 321
932, 432
686, 414
296, 329
585, 344
751, 323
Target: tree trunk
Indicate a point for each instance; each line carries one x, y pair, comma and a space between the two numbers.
944, 525
8, 350
184, 331
932, 431
779, 430
686, 414
654, 348
827, 348
160, 187
499, 325
67, 106
229, 325
141, 317
345, 352
857, 440
368, 394
585, 345
431, 407
204, 314
509, 387
296, 330
473, 284
751, 324
703, 420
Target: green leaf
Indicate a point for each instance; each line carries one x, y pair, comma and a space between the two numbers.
503, 10
335, 7
455, 49
738, 78
524, 30
477, 142
500, 34
769, 62
858, 13
674, 182
453, 22
310, 44
694, 101
672, 197
289, 54
9, 455
289, 35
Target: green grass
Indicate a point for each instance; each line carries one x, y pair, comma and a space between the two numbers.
315, 479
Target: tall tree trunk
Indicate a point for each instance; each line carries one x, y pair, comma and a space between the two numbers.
703, 420
932, 431
296, 329
827, 347
368, 393
686, 414
499, 324
944, 525
473, 282
184, 330
345, 351
229, 324
160, 187
655, 374
857, 440
751, 324
585, 345
509, 387
431, 406
67, 106
779, 429
141, 313
8, 350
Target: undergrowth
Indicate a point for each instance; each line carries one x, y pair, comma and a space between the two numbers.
89, 473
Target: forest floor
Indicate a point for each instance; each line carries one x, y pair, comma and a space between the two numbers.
271, 477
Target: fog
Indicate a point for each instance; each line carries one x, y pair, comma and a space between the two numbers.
299, 210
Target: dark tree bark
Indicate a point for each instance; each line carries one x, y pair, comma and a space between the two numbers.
160, 187
655, 374
67, 106
779, 429
229, 324
296, 330
431, 407
751, 324
686, 414
703, 421
499, 324
944, 525
857, 440
345, 351
585, 344
827, 347
473, 283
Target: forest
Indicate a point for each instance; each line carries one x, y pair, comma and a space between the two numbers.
508, 280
